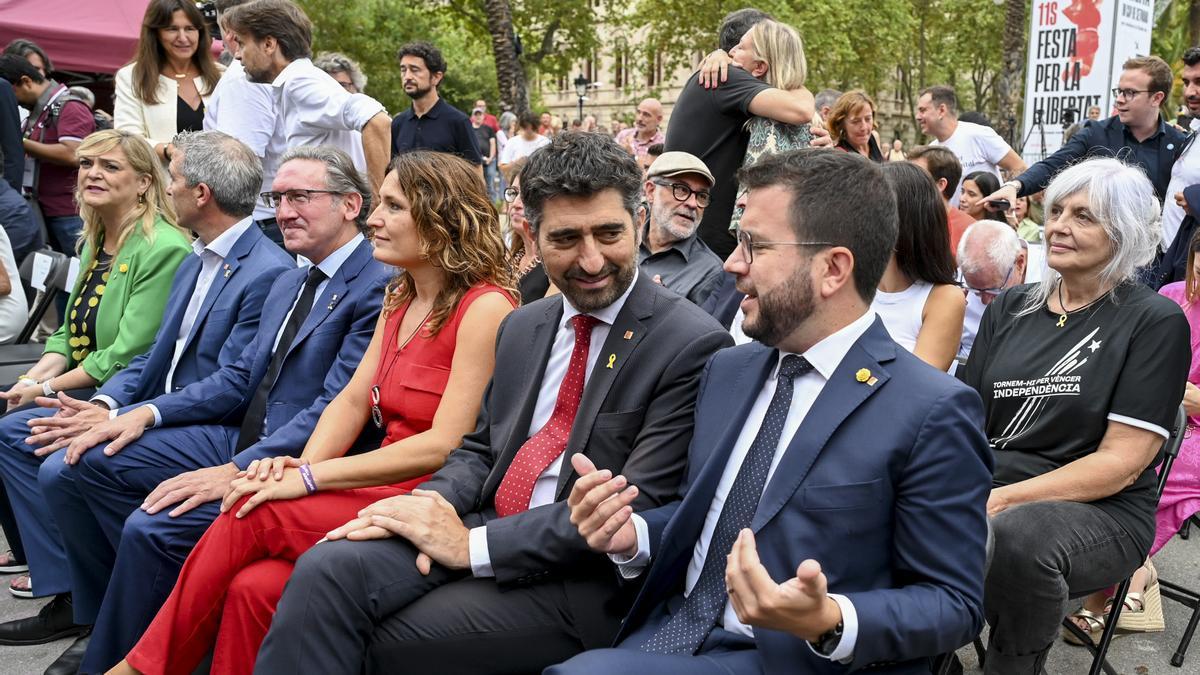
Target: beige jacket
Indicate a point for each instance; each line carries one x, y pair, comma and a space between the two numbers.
155, 122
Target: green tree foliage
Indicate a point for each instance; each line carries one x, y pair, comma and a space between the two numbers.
370, 31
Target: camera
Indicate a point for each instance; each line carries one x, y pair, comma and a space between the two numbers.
208, 10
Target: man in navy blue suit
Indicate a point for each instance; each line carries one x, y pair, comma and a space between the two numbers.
212, 312
182, 448
833, 513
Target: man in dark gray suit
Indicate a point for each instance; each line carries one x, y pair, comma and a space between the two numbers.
481, 570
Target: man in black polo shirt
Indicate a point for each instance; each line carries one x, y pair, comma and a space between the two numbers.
710, 123
431, 123
1137, 134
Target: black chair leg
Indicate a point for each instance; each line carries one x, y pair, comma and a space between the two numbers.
1186, 640
1186, 530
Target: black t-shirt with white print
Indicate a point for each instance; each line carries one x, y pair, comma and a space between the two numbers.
1049, 391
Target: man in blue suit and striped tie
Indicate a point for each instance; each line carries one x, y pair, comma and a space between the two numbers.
833, 513
212, 313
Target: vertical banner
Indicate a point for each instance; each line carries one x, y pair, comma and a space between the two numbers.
1076, 49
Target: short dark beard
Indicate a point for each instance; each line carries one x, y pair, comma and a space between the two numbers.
591, 301
419, 93
782, 310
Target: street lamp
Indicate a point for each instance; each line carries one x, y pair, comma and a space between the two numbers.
581, 87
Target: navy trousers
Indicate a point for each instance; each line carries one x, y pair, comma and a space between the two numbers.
124, 561
19, 469
722, 653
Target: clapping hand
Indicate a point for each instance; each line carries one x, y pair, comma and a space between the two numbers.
601, 508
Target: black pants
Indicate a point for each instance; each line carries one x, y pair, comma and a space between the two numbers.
1045, 554
351, 606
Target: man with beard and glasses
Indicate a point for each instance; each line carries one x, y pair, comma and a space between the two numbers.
479, 569
833, 515
677, 189
431, 123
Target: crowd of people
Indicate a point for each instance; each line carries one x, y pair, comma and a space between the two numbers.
752, 393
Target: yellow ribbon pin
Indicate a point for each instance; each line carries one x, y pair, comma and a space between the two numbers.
862, 375
612, 358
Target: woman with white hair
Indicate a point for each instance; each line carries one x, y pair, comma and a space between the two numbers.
1080, 375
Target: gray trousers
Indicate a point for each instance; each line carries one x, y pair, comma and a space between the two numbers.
1045, 554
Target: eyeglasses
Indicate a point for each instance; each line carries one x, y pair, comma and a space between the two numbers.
297, 197
376, 412
511, 194
682, 191
746, 241
981, 292
1128, 94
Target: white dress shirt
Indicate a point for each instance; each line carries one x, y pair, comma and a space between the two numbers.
556, 369
825, 356
246, 111
1184, 172
312, 109
212, 255
330, 265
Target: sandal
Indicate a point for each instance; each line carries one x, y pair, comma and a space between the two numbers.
1142, 612
9, 564
21, 587
1095, 626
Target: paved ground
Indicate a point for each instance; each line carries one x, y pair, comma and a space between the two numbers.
1133, 655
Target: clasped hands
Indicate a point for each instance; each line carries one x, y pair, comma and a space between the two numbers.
424, 518
81, 425
601, 509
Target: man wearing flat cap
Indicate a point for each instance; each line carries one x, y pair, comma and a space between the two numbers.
677, 189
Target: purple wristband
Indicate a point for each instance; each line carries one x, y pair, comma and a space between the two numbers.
310, 485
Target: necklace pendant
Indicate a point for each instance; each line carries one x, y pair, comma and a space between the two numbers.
1062, 320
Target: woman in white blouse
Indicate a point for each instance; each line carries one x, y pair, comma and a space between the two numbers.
164, 89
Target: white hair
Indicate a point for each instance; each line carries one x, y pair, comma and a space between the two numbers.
1003, 247
1122, 200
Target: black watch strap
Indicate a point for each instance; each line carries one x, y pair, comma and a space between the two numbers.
829, 640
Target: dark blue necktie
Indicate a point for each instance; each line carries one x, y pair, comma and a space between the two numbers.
688, 627
256, 412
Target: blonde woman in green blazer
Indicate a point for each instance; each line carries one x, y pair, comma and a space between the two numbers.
129, 251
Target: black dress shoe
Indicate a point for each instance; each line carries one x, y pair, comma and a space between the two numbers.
68, 662
53, 622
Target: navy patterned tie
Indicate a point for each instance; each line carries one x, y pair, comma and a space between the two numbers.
688, 627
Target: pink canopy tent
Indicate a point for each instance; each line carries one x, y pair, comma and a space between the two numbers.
83, 36
87, 36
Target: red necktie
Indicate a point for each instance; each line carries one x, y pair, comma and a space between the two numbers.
550, 441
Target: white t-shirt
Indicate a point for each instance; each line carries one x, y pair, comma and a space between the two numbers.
1184, 172
14, 311
978, 148
517, 147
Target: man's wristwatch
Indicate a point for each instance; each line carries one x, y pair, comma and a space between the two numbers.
829, 640
1015, 184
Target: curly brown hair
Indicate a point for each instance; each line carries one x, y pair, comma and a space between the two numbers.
459, 231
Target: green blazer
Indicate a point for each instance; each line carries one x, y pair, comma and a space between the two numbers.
133, 303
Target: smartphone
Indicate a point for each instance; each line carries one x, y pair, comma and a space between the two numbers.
1000, 204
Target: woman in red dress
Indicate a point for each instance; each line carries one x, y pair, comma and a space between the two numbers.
421, 379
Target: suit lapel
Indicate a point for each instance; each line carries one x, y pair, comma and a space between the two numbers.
737, 400
334, 293
541, 339
610, 360
840, 397
225, 271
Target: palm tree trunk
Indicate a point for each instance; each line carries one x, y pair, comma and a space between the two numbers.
1012, 75
510, 75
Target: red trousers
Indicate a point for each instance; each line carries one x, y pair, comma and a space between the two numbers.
228, 588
